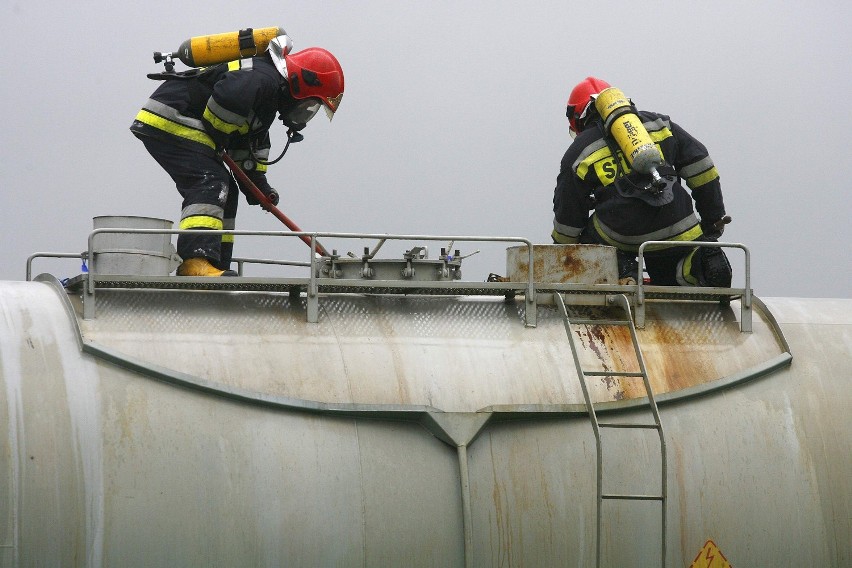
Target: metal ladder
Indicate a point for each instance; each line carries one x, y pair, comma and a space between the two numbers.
596, 426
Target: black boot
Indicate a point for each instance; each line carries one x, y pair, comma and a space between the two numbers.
715, 268
628, 268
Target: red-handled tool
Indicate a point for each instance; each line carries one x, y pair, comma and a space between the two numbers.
265, 203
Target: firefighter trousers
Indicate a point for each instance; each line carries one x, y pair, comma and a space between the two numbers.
210, 198
672, 266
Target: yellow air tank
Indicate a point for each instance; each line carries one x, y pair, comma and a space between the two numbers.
201, 51
621, 121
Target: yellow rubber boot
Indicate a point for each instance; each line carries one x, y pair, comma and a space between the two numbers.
201, 267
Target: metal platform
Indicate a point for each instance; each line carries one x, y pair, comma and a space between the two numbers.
322, 281
586, 294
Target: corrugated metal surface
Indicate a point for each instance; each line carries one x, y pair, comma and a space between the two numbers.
103, 465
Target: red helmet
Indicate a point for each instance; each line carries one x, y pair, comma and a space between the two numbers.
581, 98
315, 73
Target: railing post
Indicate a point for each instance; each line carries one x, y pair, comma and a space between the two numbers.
531, 302
313, 288
639, 312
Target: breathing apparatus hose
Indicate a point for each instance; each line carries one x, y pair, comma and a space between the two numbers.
292, 136
266, 204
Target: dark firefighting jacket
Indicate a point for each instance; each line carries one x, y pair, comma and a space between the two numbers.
228, 107
588, 180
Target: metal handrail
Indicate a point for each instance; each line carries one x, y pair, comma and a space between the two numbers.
243, 261
639, 290
640, 294
313, 235
745, 304
35, 255
313, 286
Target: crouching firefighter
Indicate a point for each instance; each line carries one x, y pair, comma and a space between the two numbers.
194, 116
626, 166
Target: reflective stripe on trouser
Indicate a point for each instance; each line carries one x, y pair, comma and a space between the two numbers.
663, 264
687, 229
687, 269
705, 266
227, 247
210, 199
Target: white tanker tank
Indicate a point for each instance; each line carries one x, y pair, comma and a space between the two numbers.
355, 417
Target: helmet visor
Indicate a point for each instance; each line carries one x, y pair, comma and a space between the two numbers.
576, 119
298, 115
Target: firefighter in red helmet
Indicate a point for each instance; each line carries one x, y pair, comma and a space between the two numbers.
581, 99
599, 199
229, 107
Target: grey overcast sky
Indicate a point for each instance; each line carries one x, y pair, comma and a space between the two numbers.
452, 122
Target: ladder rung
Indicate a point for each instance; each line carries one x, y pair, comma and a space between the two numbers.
634, 497
612, 374
599, 322
640, 426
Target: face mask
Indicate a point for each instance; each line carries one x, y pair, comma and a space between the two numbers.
296, 114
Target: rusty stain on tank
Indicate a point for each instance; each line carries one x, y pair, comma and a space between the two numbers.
590, 340
587, 264
571, 264
676, 353
613, 351
574, 266
685, 361
681, 349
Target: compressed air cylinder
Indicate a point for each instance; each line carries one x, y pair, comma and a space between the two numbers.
621, 121
206, 50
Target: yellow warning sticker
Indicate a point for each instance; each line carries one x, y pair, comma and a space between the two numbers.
710, 557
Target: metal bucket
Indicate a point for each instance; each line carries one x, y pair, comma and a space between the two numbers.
559, 264
579, 264
133, 254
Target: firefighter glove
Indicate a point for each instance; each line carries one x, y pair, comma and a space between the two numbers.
250, 198
715, 228
272, 196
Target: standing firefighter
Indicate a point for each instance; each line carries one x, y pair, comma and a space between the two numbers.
229, 107
636, 194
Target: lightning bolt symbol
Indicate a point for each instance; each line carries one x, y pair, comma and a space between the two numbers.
709, 557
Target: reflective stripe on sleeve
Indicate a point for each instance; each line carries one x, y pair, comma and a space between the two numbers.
564, 234
566, 230
698, 167
244, 64
224, 120
702, 178
699, 173
563, 239
658, 129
